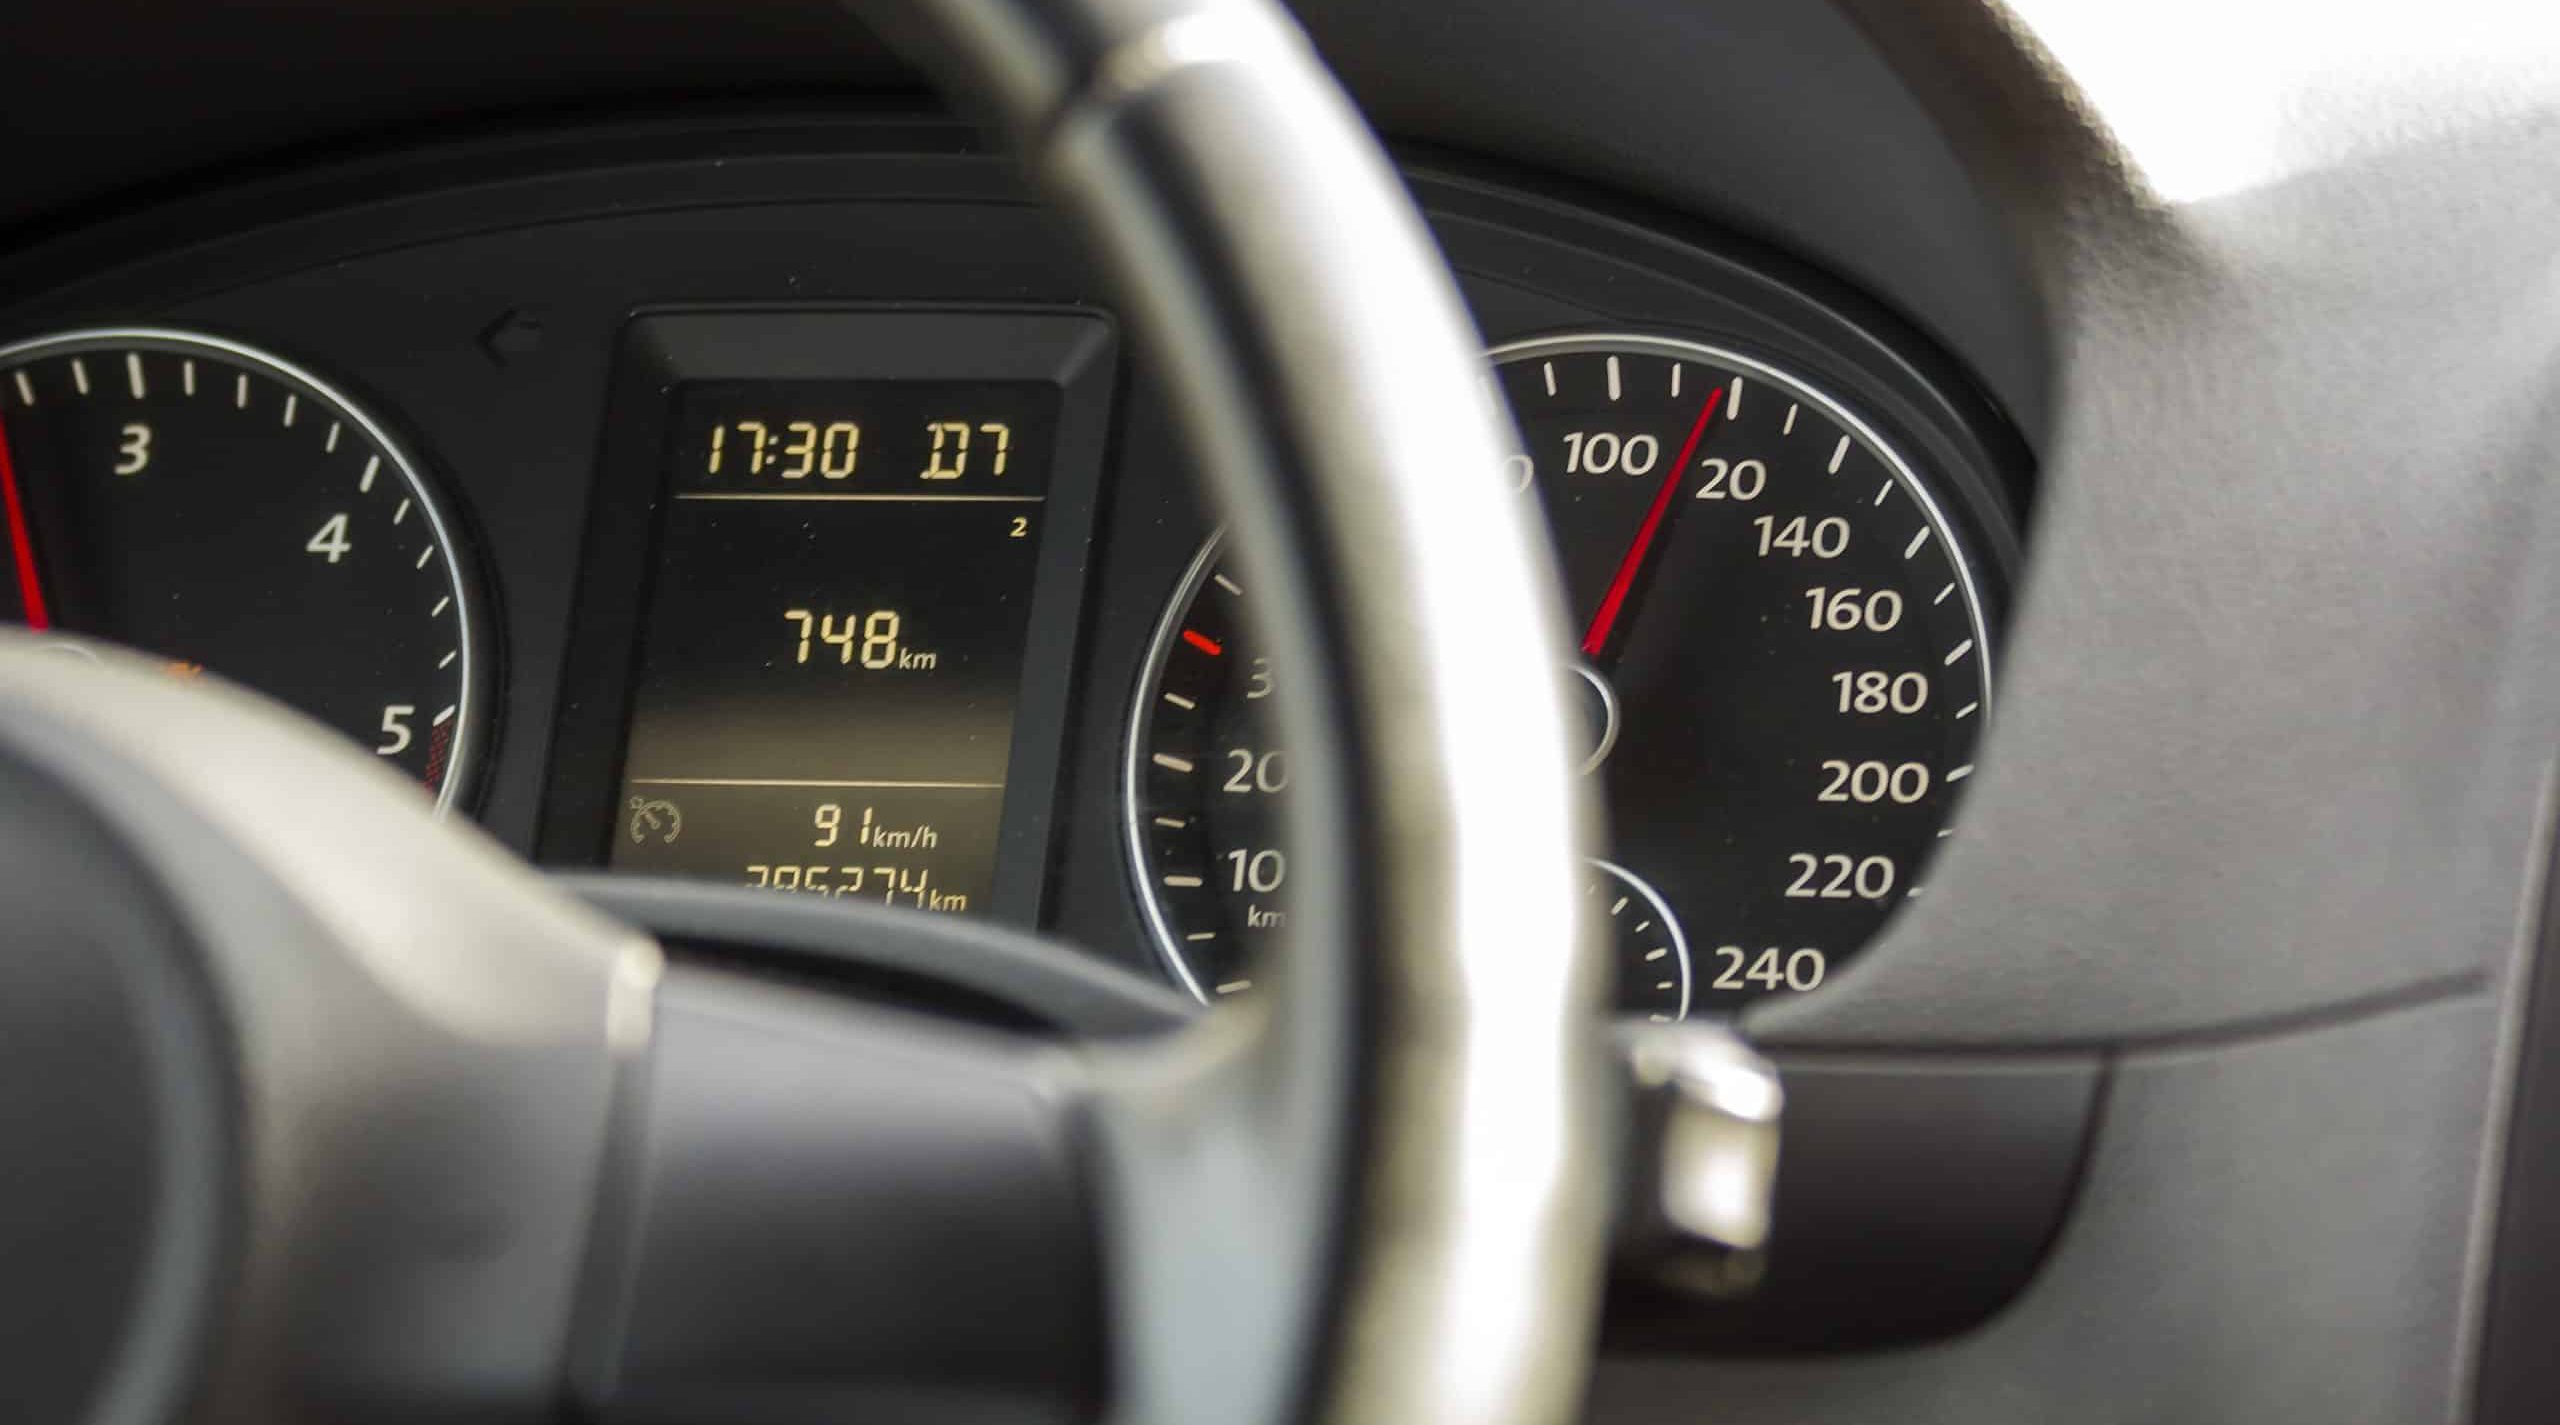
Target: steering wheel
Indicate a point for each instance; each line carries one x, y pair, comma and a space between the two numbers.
327, 1110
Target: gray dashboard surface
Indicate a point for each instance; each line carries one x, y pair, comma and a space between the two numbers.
2280, 692
2263, 817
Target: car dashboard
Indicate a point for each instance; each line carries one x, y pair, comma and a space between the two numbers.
742, 476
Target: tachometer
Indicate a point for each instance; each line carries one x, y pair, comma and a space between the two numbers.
215, 505
1784, 656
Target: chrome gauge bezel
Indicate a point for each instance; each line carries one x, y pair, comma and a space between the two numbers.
470, 711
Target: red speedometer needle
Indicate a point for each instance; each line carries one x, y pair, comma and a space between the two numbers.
22, 550
1605, 620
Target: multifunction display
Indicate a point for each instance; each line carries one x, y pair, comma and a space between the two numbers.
832, 650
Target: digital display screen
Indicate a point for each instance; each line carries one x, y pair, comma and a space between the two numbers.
832, 649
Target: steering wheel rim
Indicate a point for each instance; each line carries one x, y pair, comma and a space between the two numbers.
1378, 1193
1331, 386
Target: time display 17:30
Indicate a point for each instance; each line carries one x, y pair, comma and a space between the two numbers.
831, 449
833, 648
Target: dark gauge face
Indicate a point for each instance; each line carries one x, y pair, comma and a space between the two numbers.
1783, 661
215, 506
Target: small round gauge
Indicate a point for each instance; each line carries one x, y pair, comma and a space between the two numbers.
218, 507
1783, 661
1650, 953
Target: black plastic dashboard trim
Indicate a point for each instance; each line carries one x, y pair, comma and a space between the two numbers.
1916, 1199
966, 969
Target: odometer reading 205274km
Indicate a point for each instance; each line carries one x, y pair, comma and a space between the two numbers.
1783, 660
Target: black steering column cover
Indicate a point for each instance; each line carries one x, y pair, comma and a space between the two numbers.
423, 1043
119, 1179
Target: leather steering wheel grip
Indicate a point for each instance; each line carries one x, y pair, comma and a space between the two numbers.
424, 1126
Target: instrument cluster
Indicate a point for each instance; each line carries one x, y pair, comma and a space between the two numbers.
695, 519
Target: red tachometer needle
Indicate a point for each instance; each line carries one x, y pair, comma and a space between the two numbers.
22, 550
1605, 620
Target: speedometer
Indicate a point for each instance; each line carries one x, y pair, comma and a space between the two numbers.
1783, 654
